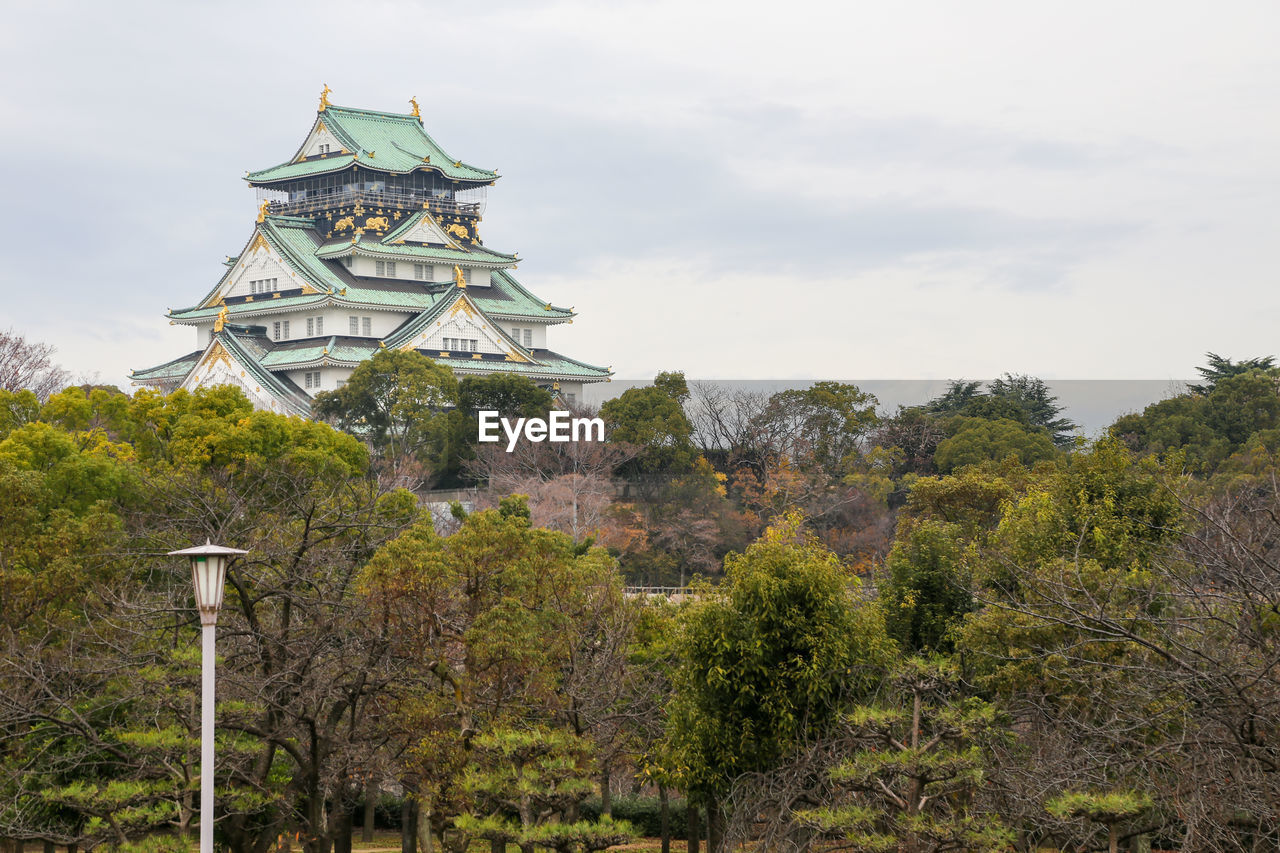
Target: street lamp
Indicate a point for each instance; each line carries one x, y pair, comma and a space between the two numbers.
208, 574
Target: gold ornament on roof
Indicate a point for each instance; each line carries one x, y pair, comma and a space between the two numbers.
457, 230
414, 103
262, 209
221, 319
458, 278
377, 223
324, 98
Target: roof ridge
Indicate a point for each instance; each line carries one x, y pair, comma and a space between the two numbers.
379, 113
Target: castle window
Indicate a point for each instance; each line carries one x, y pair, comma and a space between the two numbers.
387, 269
466, 276
570, 398
354, 325
424, 272
366, 327
528, 337
319, 325
280, 330
262, 285
347, 261
324, 148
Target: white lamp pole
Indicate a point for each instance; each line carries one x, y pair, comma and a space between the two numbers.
208, 574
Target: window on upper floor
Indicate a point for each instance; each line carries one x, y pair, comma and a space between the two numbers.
354, 323
527, 340
387, 269
570, 398
466, 276
324, 148
262, 285
366, 327
424, 272
348, 261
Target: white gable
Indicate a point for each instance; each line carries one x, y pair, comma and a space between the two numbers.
259, 263
427, 230
320, 137
219, 367
462, 322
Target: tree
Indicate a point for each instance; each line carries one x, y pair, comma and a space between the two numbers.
975, 440
510, 395
1020, 398
766, 661
925, 592
497, 624
915, 762
27, 365
538, 775
1220, 368
399, 401
653, 419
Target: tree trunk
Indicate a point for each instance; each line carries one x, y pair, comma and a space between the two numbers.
49, 847
1113, 839
370, 808
342, 837
692, 831
424, 830
408, 826
664, 815
715, 827
606, 798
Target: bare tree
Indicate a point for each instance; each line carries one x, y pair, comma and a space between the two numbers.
29, 365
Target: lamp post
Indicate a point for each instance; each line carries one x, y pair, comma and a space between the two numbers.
208, 574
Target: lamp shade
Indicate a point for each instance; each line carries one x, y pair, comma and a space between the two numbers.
208, 575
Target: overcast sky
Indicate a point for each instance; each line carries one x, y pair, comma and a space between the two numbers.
738, 190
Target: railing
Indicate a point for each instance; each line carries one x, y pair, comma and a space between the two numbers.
676, 592
381, 198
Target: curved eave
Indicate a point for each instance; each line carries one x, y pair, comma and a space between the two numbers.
552, 317
501, 261
317, 166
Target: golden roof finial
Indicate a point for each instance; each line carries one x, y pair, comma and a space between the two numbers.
262, 210
221, 320
414, 103
458, 277
324, 98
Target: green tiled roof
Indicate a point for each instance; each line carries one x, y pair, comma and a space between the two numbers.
342, 350
506, 298
387, 142
305, 169
376, 248
549, 365
170, 371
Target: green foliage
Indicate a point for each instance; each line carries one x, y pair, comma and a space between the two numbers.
17, 408
766, 661
510, 395
926, 589
1022, 399
915, 760
1220, 368
975, 439
536, 774
820, 426
653, 419
1209, 425
397, 400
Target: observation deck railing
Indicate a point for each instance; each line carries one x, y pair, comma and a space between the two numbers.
382, 198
